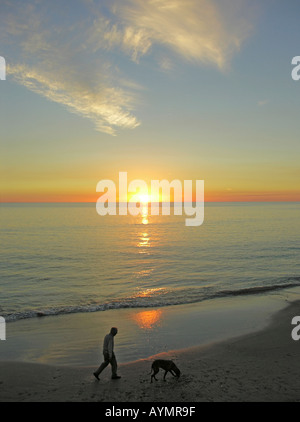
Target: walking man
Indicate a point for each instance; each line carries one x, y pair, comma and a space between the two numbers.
109, 356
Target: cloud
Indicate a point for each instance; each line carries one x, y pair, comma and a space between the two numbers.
165, 64
67, 58
199, 31
262, 103
105, 34
105, 105
53, 62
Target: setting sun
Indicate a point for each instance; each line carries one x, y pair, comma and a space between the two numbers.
144, 198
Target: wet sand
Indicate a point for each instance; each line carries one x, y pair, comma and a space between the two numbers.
261, 366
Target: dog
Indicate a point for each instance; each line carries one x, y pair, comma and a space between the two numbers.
167, 365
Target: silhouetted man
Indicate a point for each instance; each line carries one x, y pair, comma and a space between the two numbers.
109, 356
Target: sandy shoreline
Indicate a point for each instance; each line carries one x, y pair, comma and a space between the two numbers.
262, 366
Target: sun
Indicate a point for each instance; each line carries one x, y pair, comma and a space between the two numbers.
144, 198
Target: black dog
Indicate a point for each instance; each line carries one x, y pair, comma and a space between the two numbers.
167, 365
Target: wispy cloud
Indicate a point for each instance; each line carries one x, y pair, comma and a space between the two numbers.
53, 61
262, 103
196, 30
105, 105
68, 61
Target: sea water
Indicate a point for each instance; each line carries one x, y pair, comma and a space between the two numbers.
62, 260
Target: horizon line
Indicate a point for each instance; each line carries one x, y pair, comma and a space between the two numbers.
149, 202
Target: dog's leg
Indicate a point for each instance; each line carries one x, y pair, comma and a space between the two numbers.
155, 371
165, 375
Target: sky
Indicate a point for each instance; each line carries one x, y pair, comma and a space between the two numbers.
160, 89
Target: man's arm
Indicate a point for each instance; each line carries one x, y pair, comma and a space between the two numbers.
110, 347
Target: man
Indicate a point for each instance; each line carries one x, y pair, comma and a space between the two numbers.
109, 356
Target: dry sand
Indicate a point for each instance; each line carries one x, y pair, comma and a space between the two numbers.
262, 366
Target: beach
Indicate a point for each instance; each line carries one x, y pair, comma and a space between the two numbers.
259, 366
149, 189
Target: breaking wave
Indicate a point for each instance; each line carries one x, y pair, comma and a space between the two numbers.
164, 298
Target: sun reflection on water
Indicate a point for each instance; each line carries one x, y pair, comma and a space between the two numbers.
144, 241
150, 292
147, 320
144, 213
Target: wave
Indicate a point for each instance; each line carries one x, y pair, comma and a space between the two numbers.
169, 299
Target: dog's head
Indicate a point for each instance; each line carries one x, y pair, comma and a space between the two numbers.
177, 371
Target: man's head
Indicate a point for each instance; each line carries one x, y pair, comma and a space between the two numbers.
113, 331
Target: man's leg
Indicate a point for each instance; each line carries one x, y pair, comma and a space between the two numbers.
114, 367
102, 366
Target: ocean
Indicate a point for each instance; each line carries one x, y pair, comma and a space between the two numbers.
60, 260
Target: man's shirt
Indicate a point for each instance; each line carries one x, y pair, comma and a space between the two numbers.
108, 344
